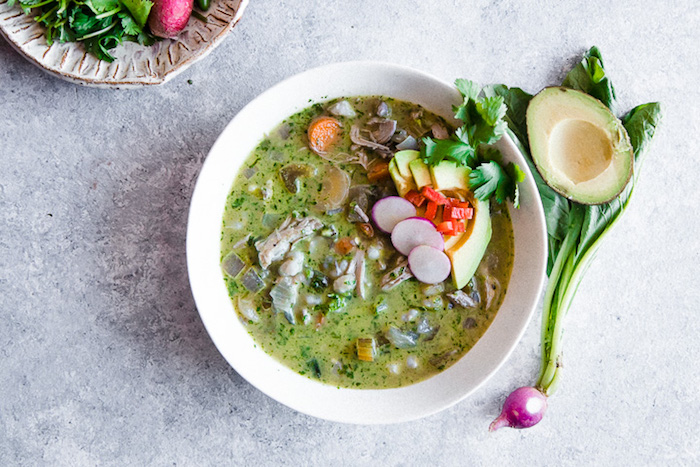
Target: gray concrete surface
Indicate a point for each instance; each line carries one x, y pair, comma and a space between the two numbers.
103, 358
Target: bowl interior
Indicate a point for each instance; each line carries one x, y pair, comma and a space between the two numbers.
231, 338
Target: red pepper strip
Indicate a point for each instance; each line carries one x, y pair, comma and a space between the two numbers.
447, 213
446, 228
415, 198
431, 210
459, 203
433, 195
453, 212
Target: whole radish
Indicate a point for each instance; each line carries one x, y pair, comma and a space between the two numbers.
169, 17
523, 408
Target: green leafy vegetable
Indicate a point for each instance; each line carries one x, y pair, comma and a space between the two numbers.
101, 25
484, 124
574, 230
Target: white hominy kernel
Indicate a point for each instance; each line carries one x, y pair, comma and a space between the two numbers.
344, 284
394, 368
412, 362
373, 252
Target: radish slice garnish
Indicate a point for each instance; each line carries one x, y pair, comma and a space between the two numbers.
389, 211
429, 265
415, 231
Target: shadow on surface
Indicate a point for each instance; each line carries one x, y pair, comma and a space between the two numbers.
142, 249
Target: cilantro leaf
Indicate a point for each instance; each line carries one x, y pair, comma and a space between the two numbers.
469, 89
129, 25
436, 150
484, 125
489, 179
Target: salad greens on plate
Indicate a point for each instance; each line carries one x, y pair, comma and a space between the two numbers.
100, 25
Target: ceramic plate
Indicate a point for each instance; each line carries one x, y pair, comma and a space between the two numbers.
366, 406
135, 65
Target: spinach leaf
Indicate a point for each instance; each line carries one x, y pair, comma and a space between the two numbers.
589, 76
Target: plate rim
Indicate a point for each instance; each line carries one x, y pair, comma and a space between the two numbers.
131, 83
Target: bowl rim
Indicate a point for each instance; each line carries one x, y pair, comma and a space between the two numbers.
362, 406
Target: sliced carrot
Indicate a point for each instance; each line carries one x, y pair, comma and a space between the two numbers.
378, 171
323, 132
344, 246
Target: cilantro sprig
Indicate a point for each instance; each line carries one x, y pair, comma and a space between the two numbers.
468, 146
100, 25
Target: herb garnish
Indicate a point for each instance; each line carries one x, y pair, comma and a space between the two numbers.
484, 124
100, 25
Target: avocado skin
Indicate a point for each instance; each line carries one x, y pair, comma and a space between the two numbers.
604, 121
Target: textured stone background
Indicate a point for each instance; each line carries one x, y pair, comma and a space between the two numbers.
104, 359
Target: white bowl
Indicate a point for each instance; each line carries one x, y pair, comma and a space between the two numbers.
231, 338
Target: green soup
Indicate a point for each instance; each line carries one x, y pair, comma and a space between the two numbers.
305, 308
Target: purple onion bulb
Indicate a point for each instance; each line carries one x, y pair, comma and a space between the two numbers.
523, 408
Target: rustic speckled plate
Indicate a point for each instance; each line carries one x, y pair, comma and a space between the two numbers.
135, 65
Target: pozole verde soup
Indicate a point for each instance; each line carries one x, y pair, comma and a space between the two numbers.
317, 284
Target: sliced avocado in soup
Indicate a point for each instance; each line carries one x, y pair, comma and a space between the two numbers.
579, 147
421, 173
403, 185
467, 253
448, 176
402, 159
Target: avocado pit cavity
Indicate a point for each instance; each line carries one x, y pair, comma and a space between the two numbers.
580, 150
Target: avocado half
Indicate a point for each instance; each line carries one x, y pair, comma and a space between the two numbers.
579, 147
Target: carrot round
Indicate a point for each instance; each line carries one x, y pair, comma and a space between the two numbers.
323, 132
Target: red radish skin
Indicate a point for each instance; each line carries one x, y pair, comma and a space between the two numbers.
523, 408
413, 232
169, 17
389, 211
429, 265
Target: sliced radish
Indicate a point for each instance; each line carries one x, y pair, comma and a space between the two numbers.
389, 211
415, 231
429, 265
